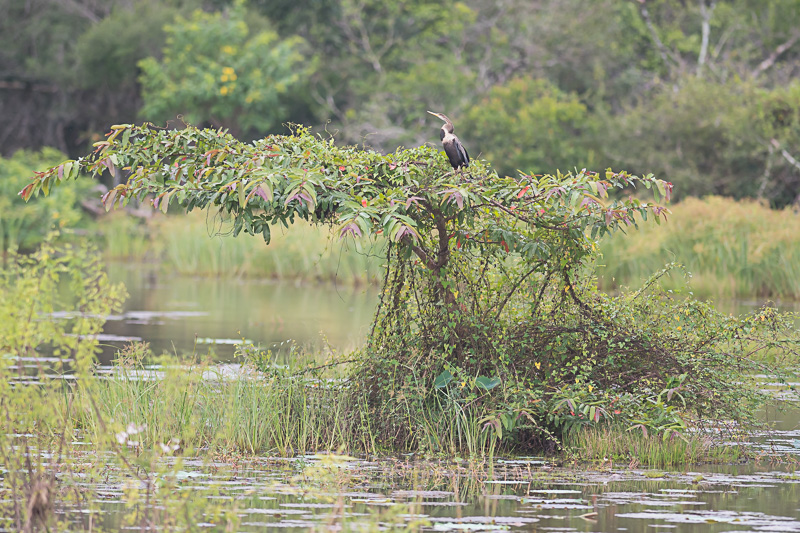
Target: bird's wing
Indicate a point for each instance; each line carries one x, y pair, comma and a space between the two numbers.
462, 152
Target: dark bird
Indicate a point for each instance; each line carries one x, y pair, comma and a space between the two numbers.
455, 151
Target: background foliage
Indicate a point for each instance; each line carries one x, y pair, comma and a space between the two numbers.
24, 225
703, 94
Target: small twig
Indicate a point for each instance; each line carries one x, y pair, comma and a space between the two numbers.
313, 368
511, 292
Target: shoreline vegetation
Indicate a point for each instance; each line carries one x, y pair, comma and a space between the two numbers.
725, 249
150, 418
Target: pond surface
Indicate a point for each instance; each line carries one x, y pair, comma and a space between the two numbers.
326, 493
181, 315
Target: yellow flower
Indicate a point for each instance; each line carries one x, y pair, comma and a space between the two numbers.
228, 70
679, 328
223, 90
590, 388
228, 49
537, 364
223, 78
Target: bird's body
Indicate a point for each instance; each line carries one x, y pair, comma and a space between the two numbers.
455, 151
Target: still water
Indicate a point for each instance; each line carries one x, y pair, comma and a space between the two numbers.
181, 315
318, 493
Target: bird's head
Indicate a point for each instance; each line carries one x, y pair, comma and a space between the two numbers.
440, 116
448, 124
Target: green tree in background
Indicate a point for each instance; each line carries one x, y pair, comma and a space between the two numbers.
529, 124
227, 70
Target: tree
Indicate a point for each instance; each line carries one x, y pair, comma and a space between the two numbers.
23, 226
529, 124
217, 70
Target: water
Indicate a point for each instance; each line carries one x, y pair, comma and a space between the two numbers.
180, 315
327, 494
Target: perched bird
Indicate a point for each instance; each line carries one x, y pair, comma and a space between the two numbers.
455, 151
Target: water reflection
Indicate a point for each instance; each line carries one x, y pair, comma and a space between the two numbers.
299, 493
182, 315
185, 315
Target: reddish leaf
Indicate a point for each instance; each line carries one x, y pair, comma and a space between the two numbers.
26, 192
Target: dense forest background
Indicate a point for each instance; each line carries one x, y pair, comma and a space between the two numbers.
703, 93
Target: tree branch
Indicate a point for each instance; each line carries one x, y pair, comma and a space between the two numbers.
706, 12
666, 55
786, 155
769, 61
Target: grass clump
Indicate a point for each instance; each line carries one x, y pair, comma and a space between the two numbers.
616, 444
200, 244
733, 249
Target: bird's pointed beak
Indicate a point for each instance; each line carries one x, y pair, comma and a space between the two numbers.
437, 115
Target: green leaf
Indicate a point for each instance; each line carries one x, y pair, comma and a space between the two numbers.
485, 383
442, 380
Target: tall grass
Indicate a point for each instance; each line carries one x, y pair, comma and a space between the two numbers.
284, 412
731, 248
200, 244
615, 444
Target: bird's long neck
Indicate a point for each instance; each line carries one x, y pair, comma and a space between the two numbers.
447, 128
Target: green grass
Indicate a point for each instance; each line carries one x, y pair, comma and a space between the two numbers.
199, 244
283, 414
617, 445
732, 249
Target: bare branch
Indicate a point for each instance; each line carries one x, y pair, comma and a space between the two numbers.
706, 11
767, 172
786, 155
79, 9
769, 61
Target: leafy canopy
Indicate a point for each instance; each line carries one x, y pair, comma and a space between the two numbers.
225, 70
411, 197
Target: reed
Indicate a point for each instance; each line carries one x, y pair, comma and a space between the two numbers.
201, 407
200, 244
284, 412
610, 444
732, 249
